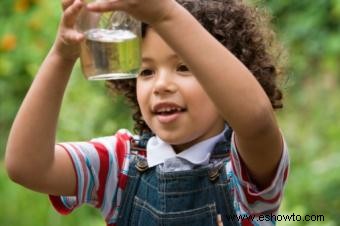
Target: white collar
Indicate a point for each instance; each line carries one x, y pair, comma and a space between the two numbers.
199, 154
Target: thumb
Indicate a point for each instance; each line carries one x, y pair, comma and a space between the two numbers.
66, 3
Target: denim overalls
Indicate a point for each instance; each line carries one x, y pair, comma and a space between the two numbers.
182, 198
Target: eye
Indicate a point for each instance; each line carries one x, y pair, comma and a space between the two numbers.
145, 72
182, 68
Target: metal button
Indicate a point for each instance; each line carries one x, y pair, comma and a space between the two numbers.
214, 174
141, 165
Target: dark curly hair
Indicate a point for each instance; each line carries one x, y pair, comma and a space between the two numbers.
244, 30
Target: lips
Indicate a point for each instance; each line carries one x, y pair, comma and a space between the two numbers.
167, 112
167, 108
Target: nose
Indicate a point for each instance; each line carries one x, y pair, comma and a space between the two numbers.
165, 83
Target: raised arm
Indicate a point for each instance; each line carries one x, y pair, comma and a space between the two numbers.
31, 158
235, 91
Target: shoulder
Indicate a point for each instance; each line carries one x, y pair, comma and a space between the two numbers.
113, 142
124, 133
248, 198
121, 134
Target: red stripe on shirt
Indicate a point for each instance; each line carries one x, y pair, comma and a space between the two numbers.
59, 205
56, 200
121, 151
251, 199
103, 170
74, 168
84, 170
244, 170
247, 222
246, 209
122, 181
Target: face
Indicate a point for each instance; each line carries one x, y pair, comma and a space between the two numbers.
173, 103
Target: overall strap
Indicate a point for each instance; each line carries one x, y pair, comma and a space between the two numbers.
129, 192
224, 202
218, 175
138, 164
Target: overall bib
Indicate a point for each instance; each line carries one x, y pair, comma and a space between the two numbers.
181, 198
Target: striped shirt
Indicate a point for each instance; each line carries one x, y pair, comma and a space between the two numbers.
102, 165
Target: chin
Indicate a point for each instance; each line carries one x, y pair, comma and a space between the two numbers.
179, 143
170, 138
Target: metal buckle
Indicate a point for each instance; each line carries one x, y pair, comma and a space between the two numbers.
141, 165
214, 174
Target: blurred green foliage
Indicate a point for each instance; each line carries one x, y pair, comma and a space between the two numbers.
310, 30
310, 120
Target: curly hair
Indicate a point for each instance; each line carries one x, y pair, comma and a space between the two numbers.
242, 29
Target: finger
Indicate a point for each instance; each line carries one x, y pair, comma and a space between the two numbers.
70, 36
219, 220
66, 3
104, 6
73, 37
71, 13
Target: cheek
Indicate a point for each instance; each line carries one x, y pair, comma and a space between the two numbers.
197, 95
202, 102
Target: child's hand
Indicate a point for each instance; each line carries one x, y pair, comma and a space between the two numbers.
148, 11
68, 39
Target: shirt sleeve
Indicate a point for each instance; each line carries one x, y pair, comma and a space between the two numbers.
248, 199
98, 165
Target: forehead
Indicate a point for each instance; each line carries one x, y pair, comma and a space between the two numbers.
153, 46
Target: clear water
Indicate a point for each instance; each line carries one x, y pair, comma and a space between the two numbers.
110, 54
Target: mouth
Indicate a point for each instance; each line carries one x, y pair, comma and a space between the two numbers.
167, 109
167, 112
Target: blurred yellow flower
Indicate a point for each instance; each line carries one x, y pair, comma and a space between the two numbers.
21, 5
35, 24
8, 42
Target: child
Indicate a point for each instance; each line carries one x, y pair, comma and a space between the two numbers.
210, 151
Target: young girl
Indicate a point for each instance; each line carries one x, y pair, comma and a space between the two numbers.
210, 151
